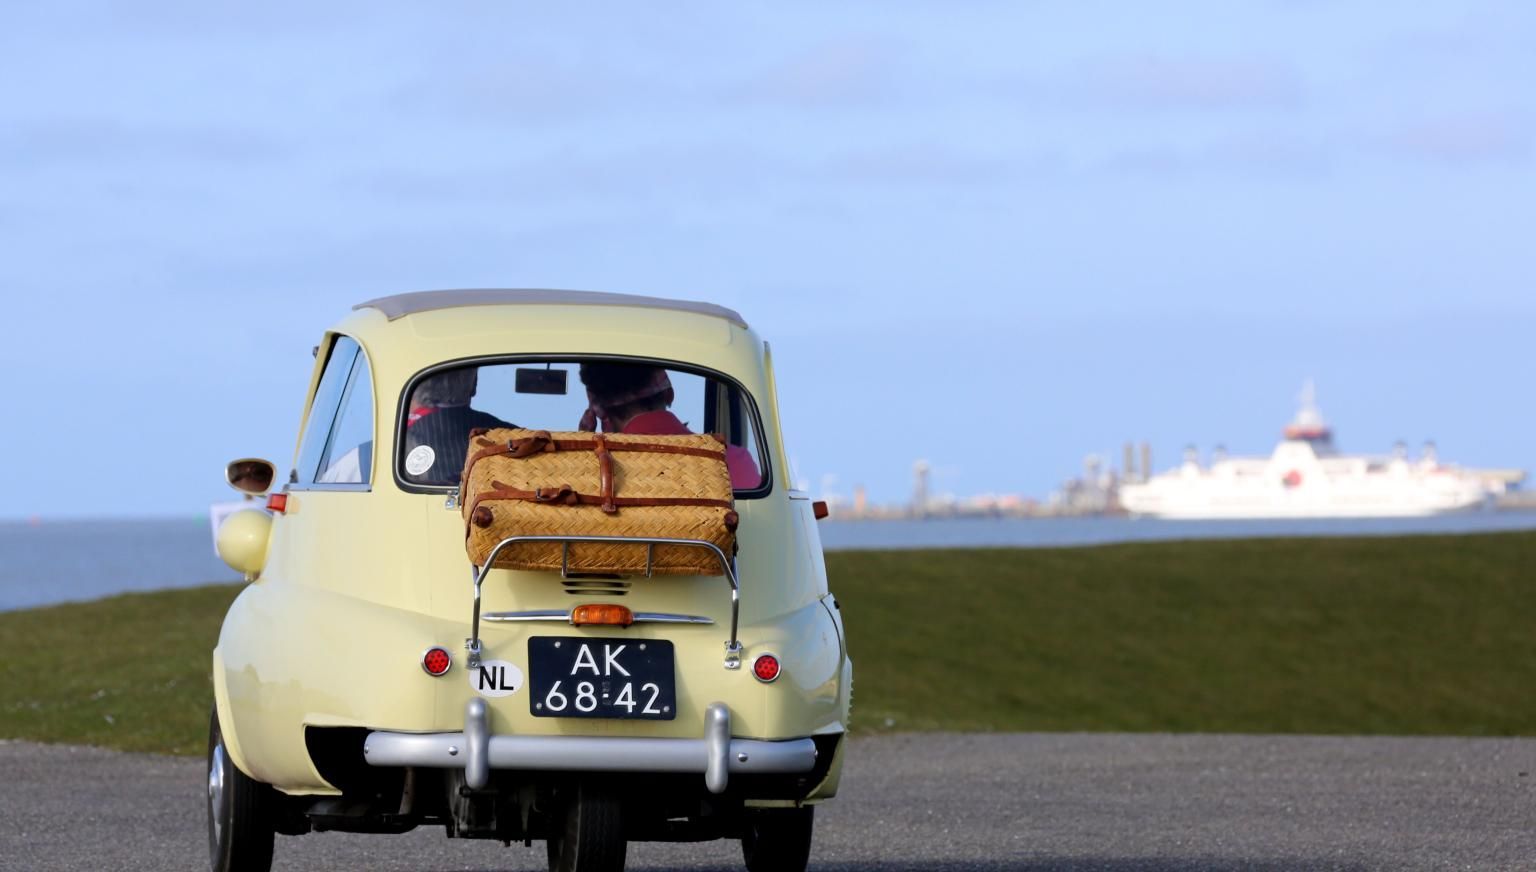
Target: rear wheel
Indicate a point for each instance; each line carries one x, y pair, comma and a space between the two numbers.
778, 839
240, 828
589, 833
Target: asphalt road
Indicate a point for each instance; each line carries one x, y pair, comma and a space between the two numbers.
921, 802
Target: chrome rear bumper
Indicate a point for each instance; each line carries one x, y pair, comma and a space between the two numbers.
716, 756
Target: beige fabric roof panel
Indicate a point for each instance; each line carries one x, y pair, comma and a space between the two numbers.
401, 305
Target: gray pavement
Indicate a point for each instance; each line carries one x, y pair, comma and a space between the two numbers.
920, 802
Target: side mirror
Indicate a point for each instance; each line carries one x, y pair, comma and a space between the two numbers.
251, 475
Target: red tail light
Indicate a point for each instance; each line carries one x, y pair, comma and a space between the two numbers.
766, 668
436, 660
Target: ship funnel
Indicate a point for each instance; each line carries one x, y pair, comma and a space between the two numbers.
1308, 425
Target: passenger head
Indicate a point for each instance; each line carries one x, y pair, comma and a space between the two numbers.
445, 390
617, 392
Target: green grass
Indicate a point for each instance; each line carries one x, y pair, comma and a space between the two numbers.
1421, 635
128, 672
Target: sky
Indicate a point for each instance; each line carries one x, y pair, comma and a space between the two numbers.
994, 236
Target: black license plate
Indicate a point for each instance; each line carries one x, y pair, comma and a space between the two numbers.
574, 677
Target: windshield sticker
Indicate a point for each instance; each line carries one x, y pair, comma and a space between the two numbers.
420, 459
496, 678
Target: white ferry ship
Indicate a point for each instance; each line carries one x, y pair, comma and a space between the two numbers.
1306, 478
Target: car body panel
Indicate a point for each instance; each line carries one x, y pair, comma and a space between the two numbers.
360, 580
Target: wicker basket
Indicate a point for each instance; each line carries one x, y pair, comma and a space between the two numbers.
538, 483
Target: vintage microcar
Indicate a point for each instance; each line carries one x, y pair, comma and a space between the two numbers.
370, 678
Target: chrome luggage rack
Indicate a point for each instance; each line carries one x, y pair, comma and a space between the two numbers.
732, 645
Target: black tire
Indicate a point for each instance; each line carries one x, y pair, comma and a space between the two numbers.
240, 812
589, 833
778, 839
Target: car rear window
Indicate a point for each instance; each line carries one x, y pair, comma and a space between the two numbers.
442, 405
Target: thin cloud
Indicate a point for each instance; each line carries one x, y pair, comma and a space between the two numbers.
1149, 82
1263, 154
573, 177
900, 165
841, 73
529, 89
194, 20
1463, 139
666, 175
95, 141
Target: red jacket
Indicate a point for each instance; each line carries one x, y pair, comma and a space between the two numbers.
744, 474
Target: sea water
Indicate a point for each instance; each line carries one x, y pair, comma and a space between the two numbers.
44, 562
59, 561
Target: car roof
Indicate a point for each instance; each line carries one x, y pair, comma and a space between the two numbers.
402, 305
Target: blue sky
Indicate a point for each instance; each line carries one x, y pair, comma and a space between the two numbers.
997, 235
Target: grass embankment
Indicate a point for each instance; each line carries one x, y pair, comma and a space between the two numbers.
1419, 635
128, 672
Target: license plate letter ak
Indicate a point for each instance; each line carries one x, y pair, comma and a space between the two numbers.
587, 661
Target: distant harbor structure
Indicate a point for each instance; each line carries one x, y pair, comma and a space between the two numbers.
1304, 477
919, 504
1095, 492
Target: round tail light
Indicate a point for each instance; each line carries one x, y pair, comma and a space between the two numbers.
436, 660
766, 668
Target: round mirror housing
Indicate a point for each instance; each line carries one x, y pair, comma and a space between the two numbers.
242, 541
251, 475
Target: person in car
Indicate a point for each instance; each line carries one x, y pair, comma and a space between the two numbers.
436, 432
438, 424
635, 398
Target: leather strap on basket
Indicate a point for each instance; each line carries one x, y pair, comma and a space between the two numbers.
604, 474
565, 495
541, 442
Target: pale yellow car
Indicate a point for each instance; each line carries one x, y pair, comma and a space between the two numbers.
370, 679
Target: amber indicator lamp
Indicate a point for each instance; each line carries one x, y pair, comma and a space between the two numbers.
606, 614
